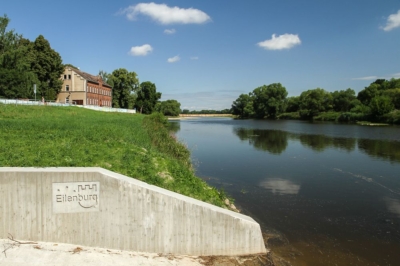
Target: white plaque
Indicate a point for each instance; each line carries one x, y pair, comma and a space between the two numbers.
76, 197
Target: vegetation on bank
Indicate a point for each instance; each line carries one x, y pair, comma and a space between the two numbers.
379, 102
134, 145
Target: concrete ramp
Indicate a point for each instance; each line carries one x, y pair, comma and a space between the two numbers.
99, 208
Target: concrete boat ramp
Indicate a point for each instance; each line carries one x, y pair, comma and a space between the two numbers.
95, 214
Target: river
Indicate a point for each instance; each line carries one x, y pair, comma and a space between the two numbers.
323, 193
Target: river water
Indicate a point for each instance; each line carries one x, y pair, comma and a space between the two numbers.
323, 193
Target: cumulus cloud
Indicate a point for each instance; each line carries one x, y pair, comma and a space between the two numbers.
392, 22
174, 59
167, 15
169, 31
141, 50
285, 41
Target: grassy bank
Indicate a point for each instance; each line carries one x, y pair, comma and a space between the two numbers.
134, 145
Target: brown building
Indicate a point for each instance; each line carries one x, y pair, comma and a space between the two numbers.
84, 89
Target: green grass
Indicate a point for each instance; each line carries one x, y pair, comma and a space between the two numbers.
134, 145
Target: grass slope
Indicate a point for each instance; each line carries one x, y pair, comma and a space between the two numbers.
134, 145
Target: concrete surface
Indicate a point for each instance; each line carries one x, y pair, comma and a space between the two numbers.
50, 254
95, 207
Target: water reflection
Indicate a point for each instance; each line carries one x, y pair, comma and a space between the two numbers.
280, 186
276, 142
272, 141
393, 206
174, 126
320, 142
389, 150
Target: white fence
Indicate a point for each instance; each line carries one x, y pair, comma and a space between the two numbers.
53, 103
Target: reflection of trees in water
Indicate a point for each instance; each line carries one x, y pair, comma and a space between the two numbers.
174, 126
389, 150
273, 141
321, 142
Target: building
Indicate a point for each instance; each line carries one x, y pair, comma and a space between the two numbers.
84, 89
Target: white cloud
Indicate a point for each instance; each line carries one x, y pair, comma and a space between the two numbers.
169, 31
141, 50
174, 59
367, 78
285, 41
395, 75
167, 15
194, 58
392, 22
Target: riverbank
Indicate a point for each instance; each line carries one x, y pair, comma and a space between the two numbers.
134, 145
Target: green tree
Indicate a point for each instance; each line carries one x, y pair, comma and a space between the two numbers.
125, 85
365, 96
269, 100
147, 97
312, 102
243, 106
292, 104
16, 77
381, 105
48, 67
105, 76
343, 100
170, 108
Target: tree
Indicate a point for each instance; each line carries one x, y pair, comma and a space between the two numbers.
343, 101
243, 106
170, 108
381, 105
312, 102
16, 77
147, 97
269, 100
366, 95
292, 104
125, 85
48, 67
105, 76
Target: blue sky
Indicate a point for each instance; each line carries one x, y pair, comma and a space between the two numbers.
206, 53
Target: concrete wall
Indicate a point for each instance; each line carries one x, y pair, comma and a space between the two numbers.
99, 208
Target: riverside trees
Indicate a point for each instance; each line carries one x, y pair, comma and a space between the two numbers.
374, 102
24, 63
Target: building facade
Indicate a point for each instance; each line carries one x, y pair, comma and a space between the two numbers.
84, 89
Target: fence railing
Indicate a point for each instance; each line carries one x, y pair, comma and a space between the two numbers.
53, 103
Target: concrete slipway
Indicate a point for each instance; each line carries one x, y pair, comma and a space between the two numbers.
94, 207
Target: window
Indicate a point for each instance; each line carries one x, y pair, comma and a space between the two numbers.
66, 87
65, 76
69, 76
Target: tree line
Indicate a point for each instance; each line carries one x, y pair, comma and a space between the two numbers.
380, 101
24, 63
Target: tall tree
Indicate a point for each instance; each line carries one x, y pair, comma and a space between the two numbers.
170, 108
48, 67
125, 85
243, 106
147, 97
312, 102
269, 100
343, 100
16, 77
